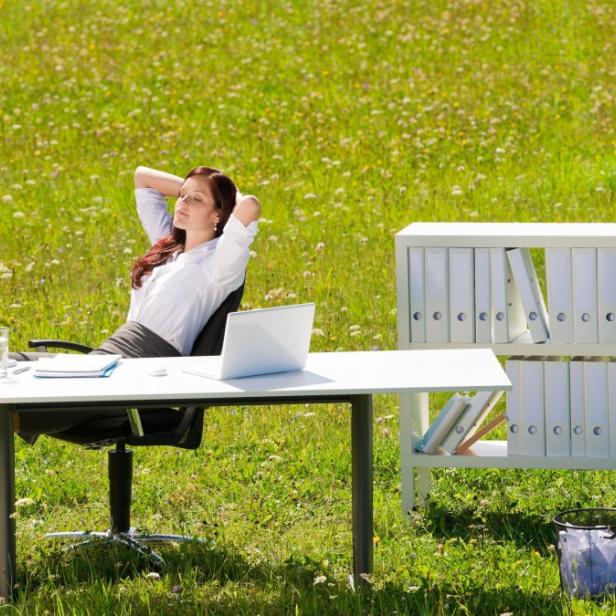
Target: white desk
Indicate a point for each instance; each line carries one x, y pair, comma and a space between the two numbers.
345, 377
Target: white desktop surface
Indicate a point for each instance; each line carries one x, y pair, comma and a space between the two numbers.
347, 373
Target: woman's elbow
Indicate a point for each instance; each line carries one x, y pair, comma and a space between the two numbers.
139, 177
248, 209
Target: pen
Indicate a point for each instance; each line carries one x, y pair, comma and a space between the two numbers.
20, 370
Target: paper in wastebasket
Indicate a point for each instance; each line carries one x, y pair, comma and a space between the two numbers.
587, 561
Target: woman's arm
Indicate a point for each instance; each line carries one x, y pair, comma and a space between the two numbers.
165, 183
247, 209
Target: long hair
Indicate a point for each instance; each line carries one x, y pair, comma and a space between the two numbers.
223, 191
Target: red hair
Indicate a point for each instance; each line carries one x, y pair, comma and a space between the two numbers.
223, 191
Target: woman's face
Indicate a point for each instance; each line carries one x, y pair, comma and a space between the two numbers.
195, 209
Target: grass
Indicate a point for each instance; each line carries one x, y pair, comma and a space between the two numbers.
349, 120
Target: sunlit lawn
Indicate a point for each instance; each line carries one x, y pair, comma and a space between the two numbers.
349, 120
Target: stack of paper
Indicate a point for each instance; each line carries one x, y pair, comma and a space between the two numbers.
70, 365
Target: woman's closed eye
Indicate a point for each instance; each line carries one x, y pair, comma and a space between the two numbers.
191, 198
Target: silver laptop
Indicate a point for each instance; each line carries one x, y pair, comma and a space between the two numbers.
260, 341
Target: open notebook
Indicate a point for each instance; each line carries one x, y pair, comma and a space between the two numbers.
69, 365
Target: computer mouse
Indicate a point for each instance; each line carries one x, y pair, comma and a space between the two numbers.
157, 369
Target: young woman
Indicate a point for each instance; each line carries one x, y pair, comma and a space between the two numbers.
197, 257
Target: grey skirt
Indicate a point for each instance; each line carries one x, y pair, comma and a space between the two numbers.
130, 340
135, 340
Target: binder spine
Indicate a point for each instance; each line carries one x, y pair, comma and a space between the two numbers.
514, 408
533, 427
462, 294
611, 381
478, 407
499, 324
584, 263
516, 319
526, 280
482, 296
442, 424
417, 297
577, 395
437, 294
596, 409
558, 273
606, 300
557, 409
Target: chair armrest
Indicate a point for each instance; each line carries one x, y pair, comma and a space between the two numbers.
42, 345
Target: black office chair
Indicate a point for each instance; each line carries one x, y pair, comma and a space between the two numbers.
164, 426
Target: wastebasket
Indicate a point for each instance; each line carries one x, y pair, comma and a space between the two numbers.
586, 550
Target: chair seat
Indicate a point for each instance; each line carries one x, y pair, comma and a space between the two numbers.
115, 426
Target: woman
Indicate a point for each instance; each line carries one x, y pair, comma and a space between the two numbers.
198, 256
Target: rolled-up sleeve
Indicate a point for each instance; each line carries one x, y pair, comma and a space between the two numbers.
232, 251
153, 214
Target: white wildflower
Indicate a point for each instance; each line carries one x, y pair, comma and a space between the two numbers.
24, 502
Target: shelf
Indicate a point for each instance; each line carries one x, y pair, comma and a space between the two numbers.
493, 454
549, 349
509, 235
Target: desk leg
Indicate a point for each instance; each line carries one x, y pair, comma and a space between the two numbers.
7, 505
361, 449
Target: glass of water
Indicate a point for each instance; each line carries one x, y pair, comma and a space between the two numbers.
4, 352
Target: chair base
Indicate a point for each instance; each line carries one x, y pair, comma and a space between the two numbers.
131, 539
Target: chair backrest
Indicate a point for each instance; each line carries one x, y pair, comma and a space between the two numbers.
209, 341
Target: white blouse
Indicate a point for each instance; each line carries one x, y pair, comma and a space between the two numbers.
177, 298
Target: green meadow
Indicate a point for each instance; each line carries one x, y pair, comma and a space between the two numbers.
349, 120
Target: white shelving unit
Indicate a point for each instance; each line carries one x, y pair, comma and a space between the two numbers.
414, 418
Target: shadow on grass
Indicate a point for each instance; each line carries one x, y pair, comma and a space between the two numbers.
521, 528
217, 580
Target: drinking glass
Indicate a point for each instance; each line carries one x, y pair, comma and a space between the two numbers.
4, 351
